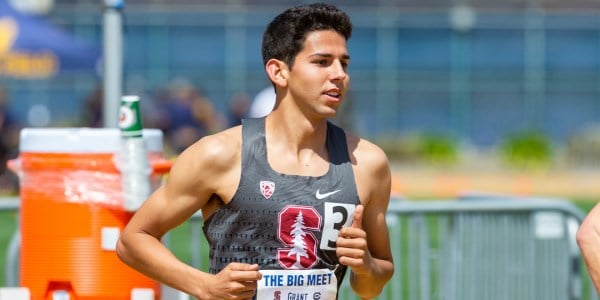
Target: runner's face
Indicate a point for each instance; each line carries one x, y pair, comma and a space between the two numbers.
318, 79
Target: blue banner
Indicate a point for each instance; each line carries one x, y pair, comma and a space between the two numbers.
33, 48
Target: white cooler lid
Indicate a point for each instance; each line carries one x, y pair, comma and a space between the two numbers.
82, 140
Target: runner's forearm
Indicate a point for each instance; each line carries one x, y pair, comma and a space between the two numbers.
156, 261
368, 286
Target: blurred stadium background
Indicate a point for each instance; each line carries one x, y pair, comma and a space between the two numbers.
473, 70
444, 83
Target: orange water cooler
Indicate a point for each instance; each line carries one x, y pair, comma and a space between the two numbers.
72, 213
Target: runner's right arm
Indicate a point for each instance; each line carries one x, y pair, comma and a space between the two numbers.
201, 173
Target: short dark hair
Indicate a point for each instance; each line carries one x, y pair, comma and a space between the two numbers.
285, 35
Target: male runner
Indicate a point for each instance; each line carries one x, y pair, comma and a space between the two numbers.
290, 201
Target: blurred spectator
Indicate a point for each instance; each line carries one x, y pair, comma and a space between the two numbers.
93, 107
136, 85
9, 144
263, 103
238, 108
186, 115
92, 110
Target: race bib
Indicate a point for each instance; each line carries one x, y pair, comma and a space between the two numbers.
297, 285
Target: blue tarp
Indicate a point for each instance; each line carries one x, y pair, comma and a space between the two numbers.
32, 47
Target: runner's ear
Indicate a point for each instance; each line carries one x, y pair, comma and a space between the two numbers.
277, 71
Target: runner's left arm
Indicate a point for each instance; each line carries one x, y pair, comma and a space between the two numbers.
364, 246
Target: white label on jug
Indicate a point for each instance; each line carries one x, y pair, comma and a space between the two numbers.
60, 295
142, 294
110, 235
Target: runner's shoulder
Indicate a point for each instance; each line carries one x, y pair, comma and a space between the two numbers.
215, 151
366, 153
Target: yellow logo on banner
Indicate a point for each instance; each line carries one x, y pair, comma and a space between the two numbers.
22, 64
8, 34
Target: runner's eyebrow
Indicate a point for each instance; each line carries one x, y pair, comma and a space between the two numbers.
327, 55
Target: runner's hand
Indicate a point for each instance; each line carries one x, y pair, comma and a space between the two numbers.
352, 249
237, 281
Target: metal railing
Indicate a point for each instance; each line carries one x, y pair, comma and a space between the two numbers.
474, 248
486, 248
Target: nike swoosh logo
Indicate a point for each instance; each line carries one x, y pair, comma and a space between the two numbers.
323, 196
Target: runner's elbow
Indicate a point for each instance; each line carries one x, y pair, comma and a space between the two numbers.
123, 251
586, 234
